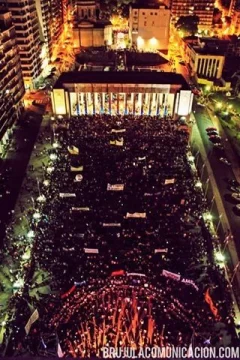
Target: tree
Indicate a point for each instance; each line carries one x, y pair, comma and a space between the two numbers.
188, 24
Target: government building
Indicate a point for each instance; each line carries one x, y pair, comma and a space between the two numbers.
139, 93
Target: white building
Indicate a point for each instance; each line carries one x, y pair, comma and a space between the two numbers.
203, 62
148, 93
149, 27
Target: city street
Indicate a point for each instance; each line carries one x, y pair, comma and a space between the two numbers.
222, 173
13, 167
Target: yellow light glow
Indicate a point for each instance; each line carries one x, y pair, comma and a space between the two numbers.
140, 41
219, 105
153, 41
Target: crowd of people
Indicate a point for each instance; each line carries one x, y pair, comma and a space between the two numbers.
123, 236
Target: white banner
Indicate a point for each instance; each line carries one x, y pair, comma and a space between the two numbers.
111, 225
67, 195
74, 169
118, 130
34, 317
152, 194
190, 282
169, 181
142, 158
115, 187
136, 215
80, 209
171, 275
91, 251
117, 142
136, 274
73, 150
156, 251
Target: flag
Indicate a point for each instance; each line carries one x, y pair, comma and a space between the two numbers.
91, 251
34, 317
136, 274
136, 215
160, 251
66, 294
67, 195
118, 273
118, 130
209, 300
111, 225
78, 168
115, 187
80, 209
169, 181
59, 350
171, 275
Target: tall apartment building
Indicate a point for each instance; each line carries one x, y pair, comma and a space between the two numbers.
201, 8
149, 27
56, 18
11, 81
25, 20
44, 18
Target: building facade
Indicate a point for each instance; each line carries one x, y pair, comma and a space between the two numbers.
203, 62
57, 18
149, 27
162, 94
25, 20
11, 80
44, 18
88, 29
201, 8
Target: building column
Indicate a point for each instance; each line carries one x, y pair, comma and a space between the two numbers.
110, 103
150, 103
117, 103
125, 103
133, 101
102, 102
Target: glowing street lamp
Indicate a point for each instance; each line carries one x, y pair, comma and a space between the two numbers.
53, 157
41, 199
198, 184
46, 183
219, 257
55, 145
30, 234
37, 216
219, 105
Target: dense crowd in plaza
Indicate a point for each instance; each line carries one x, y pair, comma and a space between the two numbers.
123, 236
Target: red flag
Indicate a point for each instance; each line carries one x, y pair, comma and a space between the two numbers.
68, 292
118, 273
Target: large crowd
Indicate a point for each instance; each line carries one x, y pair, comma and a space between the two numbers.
123, 236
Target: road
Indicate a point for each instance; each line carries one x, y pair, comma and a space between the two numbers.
13, 168
221, 172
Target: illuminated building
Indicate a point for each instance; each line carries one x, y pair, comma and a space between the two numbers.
236, 21
25, 20
11, 81
56, 19
204, 61
200, 8
88, 29
44, 18
149, 27
152, 93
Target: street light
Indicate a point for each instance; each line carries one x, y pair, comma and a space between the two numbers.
219, 257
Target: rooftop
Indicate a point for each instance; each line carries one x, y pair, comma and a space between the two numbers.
120, 77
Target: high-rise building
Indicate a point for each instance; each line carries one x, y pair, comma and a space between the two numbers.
25, 20
201, 8
44, 18
56, 18
149, 26
11, 81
